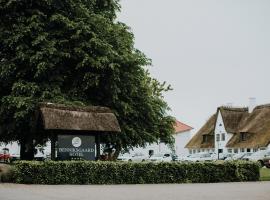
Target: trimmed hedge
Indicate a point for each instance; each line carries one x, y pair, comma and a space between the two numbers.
87, 172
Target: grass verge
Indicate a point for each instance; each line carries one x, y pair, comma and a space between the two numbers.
265, 174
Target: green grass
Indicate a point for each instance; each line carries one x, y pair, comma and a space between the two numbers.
265, 174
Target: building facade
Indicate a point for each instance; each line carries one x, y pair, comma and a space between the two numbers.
181, 136
234, 130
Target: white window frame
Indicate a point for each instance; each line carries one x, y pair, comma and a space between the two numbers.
218, 137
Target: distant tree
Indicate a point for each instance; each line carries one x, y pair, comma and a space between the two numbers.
75, 52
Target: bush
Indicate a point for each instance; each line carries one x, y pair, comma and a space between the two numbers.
87, 172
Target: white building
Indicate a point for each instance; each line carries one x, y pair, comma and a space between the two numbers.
13, 147
234, 130
181, 136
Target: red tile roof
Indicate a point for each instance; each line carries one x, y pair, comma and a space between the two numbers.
181, 127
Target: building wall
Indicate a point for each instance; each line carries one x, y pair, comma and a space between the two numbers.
14, 147
220, 132
181, 139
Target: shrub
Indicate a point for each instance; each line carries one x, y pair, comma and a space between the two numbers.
89, 172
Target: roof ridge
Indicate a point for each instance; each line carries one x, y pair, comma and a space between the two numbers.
236, 109
262, 106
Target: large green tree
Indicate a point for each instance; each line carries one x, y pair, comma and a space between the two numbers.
75, 52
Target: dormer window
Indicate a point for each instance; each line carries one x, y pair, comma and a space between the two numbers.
243, 136
205, 138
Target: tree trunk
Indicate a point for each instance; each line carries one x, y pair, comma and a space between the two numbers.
117, 152
27, 149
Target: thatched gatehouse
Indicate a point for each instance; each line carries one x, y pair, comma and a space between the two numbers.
57, 119
234, 130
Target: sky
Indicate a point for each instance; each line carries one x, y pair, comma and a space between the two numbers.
212, 52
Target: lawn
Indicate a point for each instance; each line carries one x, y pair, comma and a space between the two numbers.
265, 174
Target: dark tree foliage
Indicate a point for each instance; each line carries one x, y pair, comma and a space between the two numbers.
75, 52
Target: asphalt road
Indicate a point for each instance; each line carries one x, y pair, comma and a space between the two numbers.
215, 191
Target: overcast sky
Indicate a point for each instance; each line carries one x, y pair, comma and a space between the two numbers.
212, 52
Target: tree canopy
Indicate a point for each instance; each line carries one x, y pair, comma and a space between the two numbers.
76, 52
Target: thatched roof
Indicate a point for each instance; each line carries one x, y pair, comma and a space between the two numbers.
207, 129
93, 118
232, 117
257, 127
236, 121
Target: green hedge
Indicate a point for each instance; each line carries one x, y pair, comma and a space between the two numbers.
86, 172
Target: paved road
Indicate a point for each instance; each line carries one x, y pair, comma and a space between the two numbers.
217, 191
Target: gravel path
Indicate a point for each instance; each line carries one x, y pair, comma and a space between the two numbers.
215, 191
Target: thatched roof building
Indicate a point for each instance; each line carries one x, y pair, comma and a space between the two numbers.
75, 118
237, 121
206, 131
257, 127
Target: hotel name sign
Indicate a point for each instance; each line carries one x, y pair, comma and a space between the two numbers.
76, 147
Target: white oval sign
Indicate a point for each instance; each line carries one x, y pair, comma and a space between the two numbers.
76, 142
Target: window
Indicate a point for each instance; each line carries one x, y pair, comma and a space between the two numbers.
255, 149
218, 137
202, 150
248, 149
229, 150
194, 150
242, 149
223, 137
205, 138
220, 124
190, 151
267, 154
151, 152
243, 136
199, 150
235, 150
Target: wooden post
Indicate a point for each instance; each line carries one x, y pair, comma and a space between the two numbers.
98, 146
53, 141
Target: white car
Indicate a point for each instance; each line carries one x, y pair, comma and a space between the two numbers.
182, 158
137, 157
199, 157
258, 156
160, 157
238, 156
125, 157
224, 156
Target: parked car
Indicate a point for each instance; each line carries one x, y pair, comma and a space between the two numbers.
124, 157
200, 157
161, 157
238, 156
182, 158
258, 156
4, 155
14, 157
224, 156
137, 157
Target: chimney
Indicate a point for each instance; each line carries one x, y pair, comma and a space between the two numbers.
252, 104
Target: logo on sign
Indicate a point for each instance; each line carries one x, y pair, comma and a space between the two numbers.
76, 142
